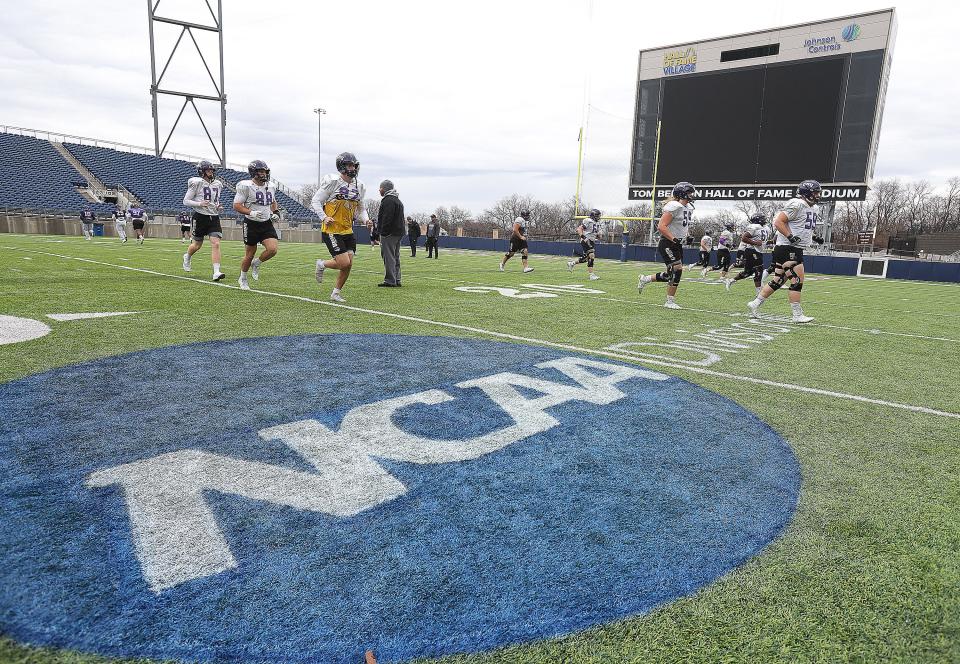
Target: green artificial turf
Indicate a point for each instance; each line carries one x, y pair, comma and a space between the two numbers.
869, 569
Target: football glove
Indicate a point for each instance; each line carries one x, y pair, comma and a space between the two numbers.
274, 217
794, 239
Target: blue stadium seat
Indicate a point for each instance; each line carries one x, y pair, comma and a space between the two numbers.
34, 175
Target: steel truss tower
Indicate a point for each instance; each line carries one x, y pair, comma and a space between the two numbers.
187, 28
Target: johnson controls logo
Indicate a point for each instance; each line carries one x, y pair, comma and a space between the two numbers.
850, 32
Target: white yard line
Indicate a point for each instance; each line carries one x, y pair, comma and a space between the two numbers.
531, 340
729, 314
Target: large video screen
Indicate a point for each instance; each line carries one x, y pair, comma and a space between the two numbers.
774, 124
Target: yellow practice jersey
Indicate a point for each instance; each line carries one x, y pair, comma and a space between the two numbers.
342, 212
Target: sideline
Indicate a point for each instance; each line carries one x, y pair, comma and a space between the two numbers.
513, 337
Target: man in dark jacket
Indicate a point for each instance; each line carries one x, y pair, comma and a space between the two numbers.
390, 223
433, 235
413, 230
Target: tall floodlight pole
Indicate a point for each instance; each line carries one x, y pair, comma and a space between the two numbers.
320, 113
189, 97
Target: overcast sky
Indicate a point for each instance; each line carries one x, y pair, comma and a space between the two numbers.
457, 103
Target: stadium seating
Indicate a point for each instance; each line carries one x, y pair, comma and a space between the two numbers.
34, 175
157, 181
160, 182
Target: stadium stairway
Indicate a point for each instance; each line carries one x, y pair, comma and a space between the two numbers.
95, 187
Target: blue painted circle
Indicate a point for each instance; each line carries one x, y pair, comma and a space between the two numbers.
613, 511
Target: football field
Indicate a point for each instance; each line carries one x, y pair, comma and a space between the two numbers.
862, 565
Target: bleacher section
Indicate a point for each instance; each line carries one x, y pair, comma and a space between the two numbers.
35, 176
160, 182
157, 181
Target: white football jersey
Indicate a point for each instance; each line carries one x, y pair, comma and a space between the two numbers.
591, 229
680, 222
757, 232
256, 197
802, 219
207, 194
726, 239
523, 225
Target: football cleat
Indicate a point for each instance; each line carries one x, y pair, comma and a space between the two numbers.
527, 269
255, 272
800, 318
186, 263
320, 268
570, 265
754, 308
727, 283
501, 268
641, 282
218, 276
594, 277
336, 297
703, 272
671, 305
244, 285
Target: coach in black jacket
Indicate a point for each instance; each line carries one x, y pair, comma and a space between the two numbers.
413, 230
390, 221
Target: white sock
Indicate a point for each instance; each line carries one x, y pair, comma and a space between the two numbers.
216, 268
797, 311
669, 298
760, 299
758, 290
336, 291
647, 279
256, 262
243, 274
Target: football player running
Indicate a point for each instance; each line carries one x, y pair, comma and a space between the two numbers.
706, 246
673, 227
184, 220
256, 200
120, 223
87, 217
139, 218
518, 241
203, 195
795, 225
753, 239
589, 232
725, 241
339, 203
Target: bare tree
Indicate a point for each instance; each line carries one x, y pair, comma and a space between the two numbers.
916, 195
458, 216
306, 194
373, 207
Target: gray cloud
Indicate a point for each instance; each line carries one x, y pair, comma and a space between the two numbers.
476, 106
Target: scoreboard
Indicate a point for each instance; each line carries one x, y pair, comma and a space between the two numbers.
749, 116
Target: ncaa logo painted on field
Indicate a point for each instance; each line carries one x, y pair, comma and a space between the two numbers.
304, 498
